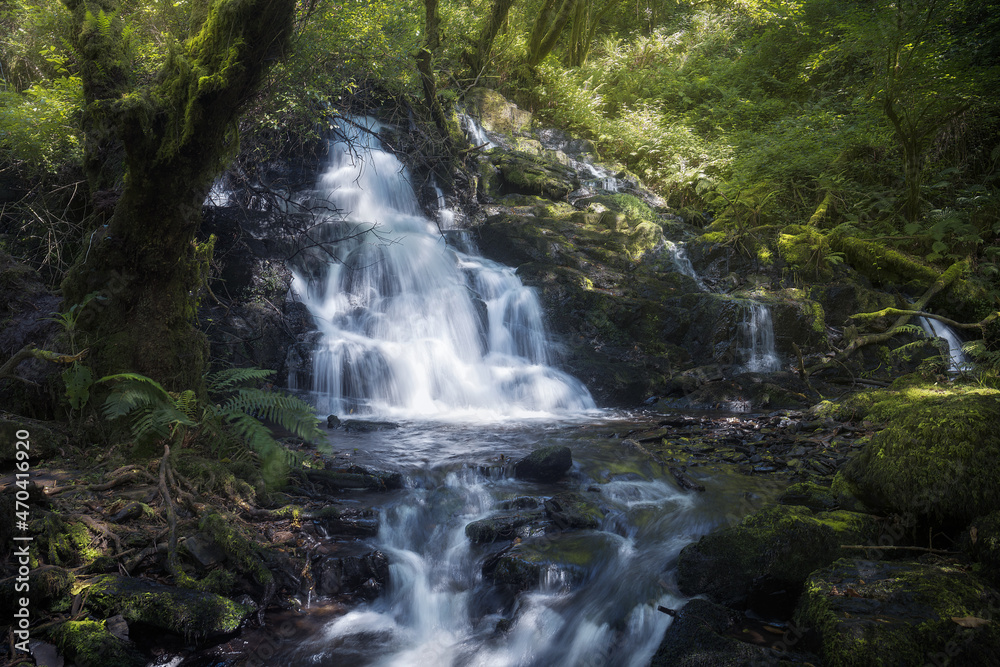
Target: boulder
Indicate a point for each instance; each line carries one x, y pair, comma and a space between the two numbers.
501, 527
570, 509
563, 558
182, 611
91, 644
901, 613
763, 561
495, 113
935, 459
547, 464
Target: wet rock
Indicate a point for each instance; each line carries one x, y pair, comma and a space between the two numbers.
501, 527
352, 521
367, 426
763, 560
701, 636
182, 611
354, 478
561, 557
362, 575
495, 113
90, 644
572, 510
901, 613
520, 503
809, 494
526, 174
546, 464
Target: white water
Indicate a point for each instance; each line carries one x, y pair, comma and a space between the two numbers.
957, 359
412, 328
595, 602
680, 260
757, 332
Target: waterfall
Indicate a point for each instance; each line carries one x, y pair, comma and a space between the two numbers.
410, 326
757, 332
957, 360
680, 261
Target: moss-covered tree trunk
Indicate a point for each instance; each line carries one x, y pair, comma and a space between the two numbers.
175, 135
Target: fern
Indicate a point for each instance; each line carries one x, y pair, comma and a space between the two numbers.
231, 421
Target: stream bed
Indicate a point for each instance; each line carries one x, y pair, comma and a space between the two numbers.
591, 600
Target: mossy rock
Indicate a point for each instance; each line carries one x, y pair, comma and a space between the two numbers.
495, 112
570, 509
522, 173
767, 553
872, 613
500, 527
186, 612
561, 556
545, 464
241, 551
819, 498
46, 585
90, 644
936, 459
63, 542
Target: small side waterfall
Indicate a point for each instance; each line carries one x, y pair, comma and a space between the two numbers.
757, 332
410, 326
957, 359
681, 261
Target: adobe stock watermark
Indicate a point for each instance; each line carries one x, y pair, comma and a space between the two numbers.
21, 625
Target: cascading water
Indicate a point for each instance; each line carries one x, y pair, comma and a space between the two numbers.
757, 332
680, 261
411, 327
957, 360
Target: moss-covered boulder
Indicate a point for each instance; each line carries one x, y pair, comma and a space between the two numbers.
495, 113
241, 551
764, 560
505, 526
186, 612
545, 464
44, 440
90, 644
570, 509
559, 557
526, 174
901, 613
812, 495
936, 458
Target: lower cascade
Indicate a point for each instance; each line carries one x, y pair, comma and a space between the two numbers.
412, 327
757, 330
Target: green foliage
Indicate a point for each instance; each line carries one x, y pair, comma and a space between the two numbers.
228, 423
40, 127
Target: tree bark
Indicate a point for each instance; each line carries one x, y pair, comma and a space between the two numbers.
176, 135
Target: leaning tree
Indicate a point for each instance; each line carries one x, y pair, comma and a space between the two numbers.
154, 143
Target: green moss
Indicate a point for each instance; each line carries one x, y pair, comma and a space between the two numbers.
64, 543
935, 458
182, 611
241, 551
780, 544
807, 251
896, 614
880, 263
643, 238
89, 644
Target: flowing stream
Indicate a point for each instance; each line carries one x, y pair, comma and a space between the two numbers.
595, 601
453, 347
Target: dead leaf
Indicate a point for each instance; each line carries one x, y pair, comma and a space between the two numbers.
970, 621
851, 593
773, 630
973, 534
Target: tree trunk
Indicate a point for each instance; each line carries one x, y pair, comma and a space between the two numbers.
484, 45
546, 31
176, 135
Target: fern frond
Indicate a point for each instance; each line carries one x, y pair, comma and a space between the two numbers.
283, 409
232, 377
187, 403
136, 391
